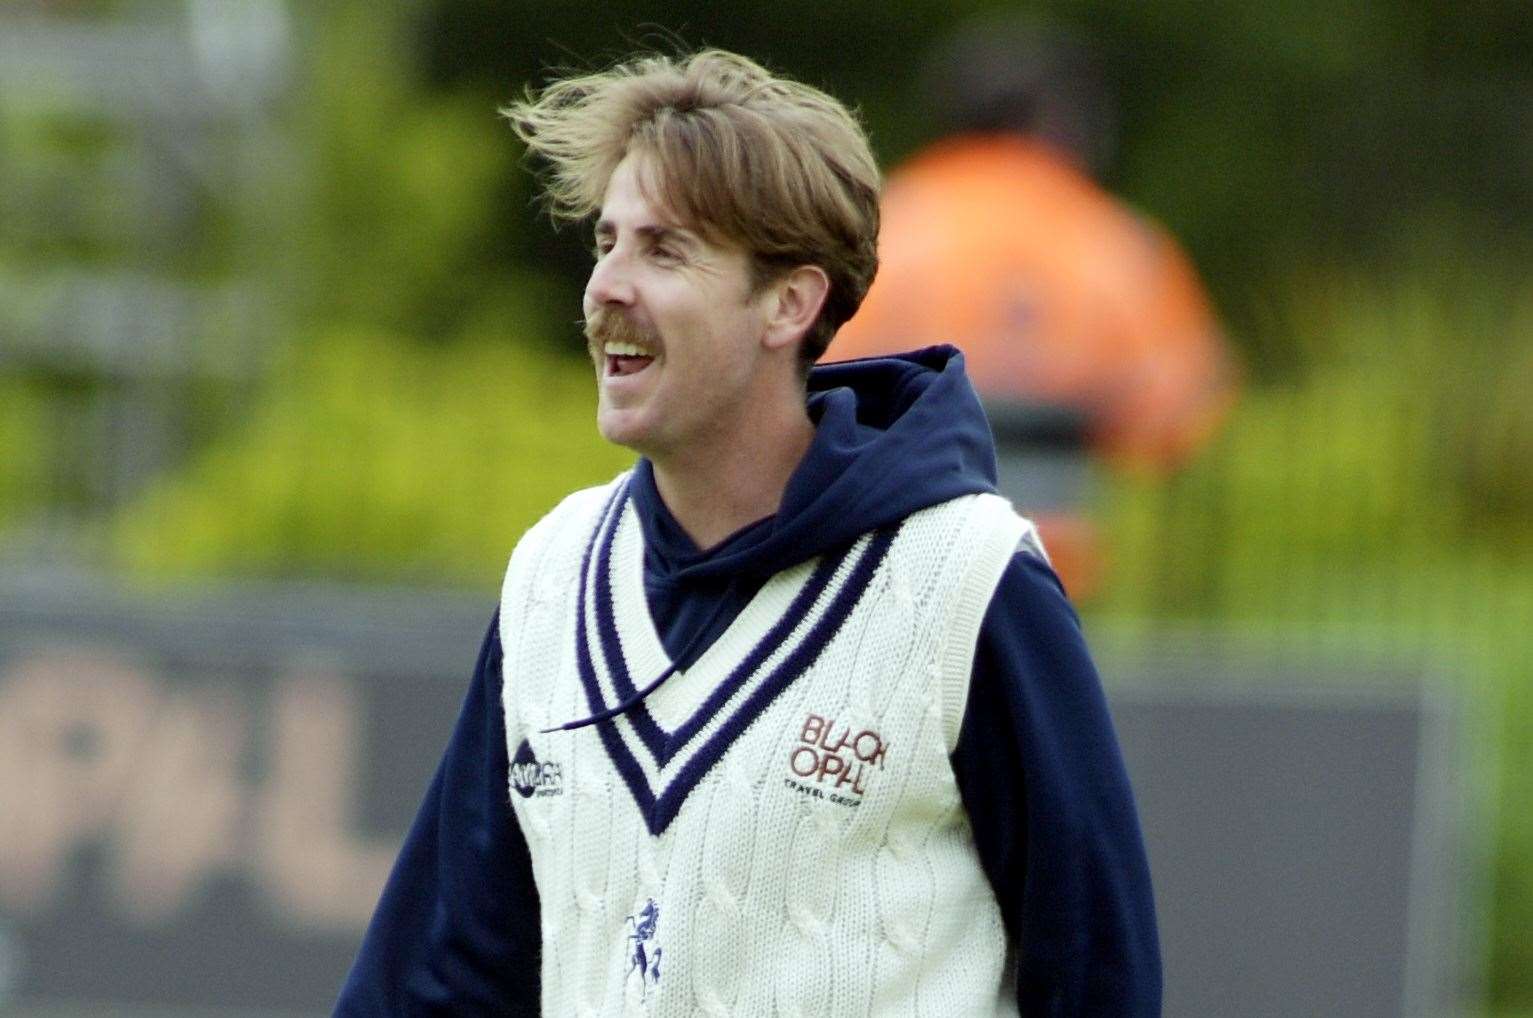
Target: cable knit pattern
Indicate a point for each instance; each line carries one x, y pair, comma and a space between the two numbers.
776, 830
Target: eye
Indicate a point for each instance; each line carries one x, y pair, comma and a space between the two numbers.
664, 253
601, 247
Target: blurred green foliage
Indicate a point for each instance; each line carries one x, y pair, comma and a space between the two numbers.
1373, 502
394, 230
1357, 189
25, 442
375, 458
54, 160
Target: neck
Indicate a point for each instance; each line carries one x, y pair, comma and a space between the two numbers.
715, 488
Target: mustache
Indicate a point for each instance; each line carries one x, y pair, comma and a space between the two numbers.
607, 326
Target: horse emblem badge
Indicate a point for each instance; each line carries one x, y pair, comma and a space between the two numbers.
643, 952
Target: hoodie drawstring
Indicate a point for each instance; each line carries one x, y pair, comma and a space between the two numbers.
638, 697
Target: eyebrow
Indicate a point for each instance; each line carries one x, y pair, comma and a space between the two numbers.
654, 233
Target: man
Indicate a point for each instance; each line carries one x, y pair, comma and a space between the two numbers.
793, 718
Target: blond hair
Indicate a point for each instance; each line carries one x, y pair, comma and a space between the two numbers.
776, 166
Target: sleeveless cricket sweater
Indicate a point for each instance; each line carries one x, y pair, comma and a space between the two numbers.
775, 830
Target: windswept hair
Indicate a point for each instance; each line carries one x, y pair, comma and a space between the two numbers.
739, 154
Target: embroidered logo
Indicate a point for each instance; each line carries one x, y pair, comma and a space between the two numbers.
643, 952
530, 777
834, 765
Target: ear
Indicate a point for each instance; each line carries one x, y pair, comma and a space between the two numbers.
793, 303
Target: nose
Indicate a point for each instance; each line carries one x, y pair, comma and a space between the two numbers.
610, 283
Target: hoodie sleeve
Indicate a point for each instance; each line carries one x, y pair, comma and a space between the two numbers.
457, 929
1043, 781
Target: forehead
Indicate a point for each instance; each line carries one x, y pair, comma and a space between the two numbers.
634, 200
633, 194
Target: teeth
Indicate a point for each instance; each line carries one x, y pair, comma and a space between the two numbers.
615, 349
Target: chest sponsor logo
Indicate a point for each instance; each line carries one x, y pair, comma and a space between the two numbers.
835, 762
533, 777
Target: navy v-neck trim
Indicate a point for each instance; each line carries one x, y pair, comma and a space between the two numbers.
663, 744
659, 805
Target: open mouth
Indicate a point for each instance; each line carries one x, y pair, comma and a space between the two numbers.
626, 358
627, 365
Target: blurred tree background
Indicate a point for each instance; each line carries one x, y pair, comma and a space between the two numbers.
375, 373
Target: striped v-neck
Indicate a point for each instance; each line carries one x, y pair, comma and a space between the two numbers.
774, 639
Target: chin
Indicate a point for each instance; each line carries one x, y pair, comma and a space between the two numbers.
621, 429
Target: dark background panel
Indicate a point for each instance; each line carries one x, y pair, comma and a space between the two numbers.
1284, 818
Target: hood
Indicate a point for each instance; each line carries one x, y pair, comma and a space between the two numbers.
892, 435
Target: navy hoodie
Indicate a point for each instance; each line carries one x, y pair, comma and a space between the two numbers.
1037, 765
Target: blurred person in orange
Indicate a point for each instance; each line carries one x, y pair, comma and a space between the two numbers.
997, 238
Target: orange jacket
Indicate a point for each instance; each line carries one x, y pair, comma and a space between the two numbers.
1054, 291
